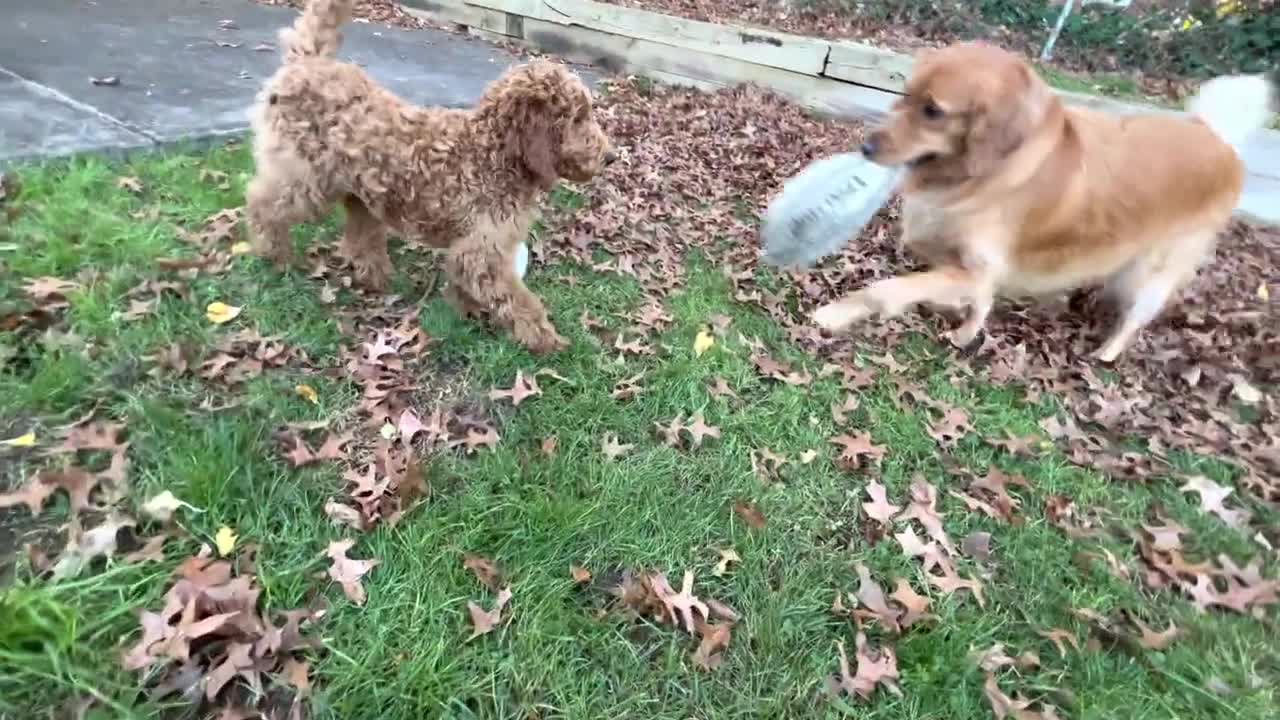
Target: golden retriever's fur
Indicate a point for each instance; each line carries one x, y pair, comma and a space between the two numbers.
466, 180
1008, 192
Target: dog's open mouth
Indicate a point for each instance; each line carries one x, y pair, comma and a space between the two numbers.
924, 159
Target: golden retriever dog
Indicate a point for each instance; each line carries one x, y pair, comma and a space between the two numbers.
1007, 192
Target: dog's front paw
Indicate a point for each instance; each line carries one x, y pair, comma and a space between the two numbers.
545, 343
280, 255
963, 336
538, 335
841, 314
374, 274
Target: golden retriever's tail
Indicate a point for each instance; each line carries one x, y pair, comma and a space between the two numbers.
315, 33
1235, 106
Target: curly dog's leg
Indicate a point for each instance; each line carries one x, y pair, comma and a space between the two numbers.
364, 241
481, 273
274, 205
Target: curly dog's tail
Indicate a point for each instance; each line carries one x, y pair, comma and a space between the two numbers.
315, 33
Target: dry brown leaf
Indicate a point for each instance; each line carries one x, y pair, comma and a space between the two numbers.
855, 446
951, 427
347, 572
715, 638
679, 605
991, 659
1212, 498
477, 438
484, 621
298, 674
344, 515
873, 669
726, 557
1060, 639
548, 446
923, 509
949, 582
408, 426
839, 411
699, 430
628, 388
484, 569
879, 509
720, 389
520, 390
151, 551
579, 574
871, 595
750, 514
670, 432
1002, 706
916, 605
1153, 640
1165, 538
612, 449
33, 494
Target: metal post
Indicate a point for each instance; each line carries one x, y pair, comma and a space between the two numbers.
1047, 53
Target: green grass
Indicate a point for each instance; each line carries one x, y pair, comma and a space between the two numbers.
405, 655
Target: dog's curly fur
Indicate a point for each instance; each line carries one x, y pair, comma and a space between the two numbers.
466, 180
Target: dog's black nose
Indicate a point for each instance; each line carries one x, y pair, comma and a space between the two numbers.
609, 157
869, 148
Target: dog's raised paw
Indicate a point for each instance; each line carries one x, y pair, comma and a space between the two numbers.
961, 337
840, 315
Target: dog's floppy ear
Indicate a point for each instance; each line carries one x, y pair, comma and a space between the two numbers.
534, 144
1000, 122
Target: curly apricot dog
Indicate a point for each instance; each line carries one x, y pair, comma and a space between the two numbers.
465, 180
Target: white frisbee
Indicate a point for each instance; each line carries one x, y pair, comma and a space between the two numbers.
823, 207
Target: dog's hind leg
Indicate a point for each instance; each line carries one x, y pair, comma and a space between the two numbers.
364, 241
1143, 288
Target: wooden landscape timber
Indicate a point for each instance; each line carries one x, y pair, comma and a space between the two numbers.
839, 77
862, 81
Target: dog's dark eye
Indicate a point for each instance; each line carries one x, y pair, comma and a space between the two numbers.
932, 111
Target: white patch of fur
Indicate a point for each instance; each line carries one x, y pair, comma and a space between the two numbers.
1234, 106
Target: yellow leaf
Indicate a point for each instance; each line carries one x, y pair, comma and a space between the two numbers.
308, 393
241, 248
27, 440
225, 540
1263, 293
219, 312
387, 430
703, 342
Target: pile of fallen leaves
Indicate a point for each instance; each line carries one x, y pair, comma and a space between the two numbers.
907, 27
1195, 381
212, 646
